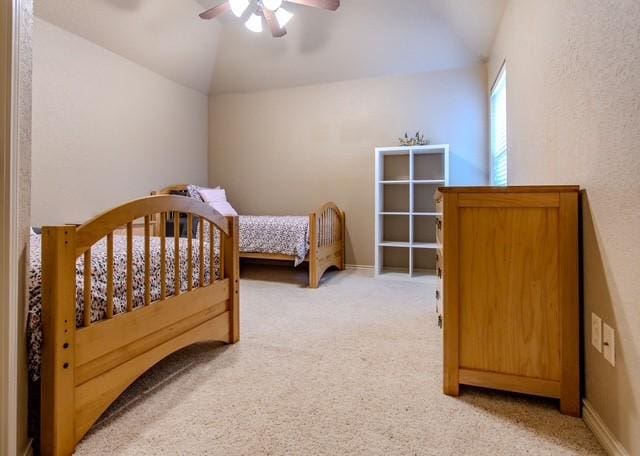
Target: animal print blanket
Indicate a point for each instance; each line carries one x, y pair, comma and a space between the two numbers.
99, 282
285, 235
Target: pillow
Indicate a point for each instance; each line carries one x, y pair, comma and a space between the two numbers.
213, 195
193, 191
32, 231
224, 208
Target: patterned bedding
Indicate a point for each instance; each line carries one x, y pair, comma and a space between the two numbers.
285, 235
99, 282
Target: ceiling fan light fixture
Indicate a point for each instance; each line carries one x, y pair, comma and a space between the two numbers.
238, 7
272, 5
283, 16
254, 23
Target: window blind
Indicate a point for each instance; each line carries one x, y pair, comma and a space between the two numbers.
498, 108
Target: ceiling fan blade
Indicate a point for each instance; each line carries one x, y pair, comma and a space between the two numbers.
331, 5
216, 11
274, 26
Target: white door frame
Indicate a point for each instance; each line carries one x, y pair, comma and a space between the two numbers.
9, 319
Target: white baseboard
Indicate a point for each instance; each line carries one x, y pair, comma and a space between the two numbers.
362, 267
609, 442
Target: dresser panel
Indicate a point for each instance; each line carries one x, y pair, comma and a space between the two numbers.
509, 312
509, 291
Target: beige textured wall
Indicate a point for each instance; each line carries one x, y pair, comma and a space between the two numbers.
106, 130
573, 91
288, 151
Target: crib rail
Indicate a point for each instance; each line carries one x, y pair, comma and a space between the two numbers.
103, 227
329, 220
327, 241
85, 366
326, 238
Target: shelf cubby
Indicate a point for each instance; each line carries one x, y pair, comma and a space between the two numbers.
406, 181
424, 230
395, 198
396, 260
396, 167
396, 228
428, 166
424, 262
423, 194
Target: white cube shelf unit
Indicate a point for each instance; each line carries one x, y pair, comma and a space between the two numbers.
405, 233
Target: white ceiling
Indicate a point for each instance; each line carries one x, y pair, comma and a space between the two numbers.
363, 38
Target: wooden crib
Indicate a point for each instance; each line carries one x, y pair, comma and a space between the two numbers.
326, 239
84, 369
326, 244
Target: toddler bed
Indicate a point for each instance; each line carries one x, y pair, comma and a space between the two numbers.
317, 238
105, 308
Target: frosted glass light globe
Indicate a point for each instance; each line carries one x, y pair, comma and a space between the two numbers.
283, 16
254, 23
238, 7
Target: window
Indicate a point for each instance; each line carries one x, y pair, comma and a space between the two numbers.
499, 130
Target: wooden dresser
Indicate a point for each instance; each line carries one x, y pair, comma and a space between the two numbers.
509, 291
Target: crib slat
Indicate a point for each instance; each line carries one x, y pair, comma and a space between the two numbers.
201, 240
129, 267
212, 259
189, 252
326, 228
331, 227
87, 288
176, 253
147, 261
323, 228
110, 275
325, 221
163, 256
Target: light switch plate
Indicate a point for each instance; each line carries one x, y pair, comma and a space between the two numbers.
609, 343
596, 332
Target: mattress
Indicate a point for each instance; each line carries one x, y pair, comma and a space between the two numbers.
99, 282
284, 235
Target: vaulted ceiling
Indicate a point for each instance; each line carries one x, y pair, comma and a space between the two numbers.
364, 38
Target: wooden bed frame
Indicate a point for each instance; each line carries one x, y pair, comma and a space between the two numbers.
326, 239
85, 369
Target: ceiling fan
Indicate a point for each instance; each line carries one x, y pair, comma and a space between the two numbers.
272, 11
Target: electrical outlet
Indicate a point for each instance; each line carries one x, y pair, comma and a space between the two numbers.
596, 332
609, 343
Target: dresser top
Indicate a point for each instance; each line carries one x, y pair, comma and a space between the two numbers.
513, 189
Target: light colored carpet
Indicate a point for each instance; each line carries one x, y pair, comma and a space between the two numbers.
352, 368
